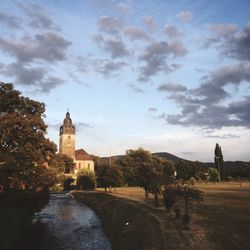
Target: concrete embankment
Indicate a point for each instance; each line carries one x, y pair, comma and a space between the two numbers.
128, 225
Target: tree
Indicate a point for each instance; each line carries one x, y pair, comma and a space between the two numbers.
85, 180
109, 176
219, 162
25, 154
213, 174
246, 170
24, 150
176, 193
151, 171
62, 164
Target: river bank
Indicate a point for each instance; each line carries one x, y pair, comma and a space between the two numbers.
128, 225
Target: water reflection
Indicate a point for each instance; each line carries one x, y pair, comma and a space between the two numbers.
66, 224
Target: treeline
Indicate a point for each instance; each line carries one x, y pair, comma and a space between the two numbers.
137, 165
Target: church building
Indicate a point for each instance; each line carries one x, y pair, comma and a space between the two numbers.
81, 158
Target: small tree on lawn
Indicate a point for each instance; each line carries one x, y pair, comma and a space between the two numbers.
175, 194
190, 195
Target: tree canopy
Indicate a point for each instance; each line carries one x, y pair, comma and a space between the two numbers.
24, 150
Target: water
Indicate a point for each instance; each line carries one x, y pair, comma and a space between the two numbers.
69, 225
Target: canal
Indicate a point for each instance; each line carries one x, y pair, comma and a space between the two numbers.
69, 225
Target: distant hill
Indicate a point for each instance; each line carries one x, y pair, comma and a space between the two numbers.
169, 156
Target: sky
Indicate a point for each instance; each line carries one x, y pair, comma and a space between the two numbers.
168, 76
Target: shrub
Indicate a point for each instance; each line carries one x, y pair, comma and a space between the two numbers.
85, 180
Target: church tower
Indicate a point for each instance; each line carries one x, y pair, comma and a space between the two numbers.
67, 137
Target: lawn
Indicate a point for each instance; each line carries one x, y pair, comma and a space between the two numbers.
222, 221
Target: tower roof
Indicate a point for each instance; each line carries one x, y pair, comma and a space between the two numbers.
67, 127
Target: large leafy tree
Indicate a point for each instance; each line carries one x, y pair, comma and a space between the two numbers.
219, 162
151, 171
24, 150
108, 175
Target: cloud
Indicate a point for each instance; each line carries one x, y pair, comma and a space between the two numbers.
24, 75
10, 21
203, 106
155, 55
107, 67
224, 136
123, 9
152, 109
37, 78
185, 16
172, 87
135, 89
231, 42
134, 33
50, 83
150, 23
109, 25
172, 32
49, 47
39, 19
115, 47
223, 30
231, 73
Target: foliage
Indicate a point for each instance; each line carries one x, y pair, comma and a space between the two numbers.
67, 184
174, 194
24, 150
62, 164
151, 172
109, 175
187, 169
85, 180
219, 162
246, 170
213, 174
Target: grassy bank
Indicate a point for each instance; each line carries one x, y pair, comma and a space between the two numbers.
128, 225
220, 222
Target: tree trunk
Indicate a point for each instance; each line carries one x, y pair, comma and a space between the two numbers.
157, 200
146, 197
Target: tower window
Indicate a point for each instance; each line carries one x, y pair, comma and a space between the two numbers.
69, 137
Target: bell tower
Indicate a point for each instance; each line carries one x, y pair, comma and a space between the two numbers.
67, 137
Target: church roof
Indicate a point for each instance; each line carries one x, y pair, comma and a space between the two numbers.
82, 155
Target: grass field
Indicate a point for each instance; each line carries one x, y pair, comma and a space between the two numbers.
222, 221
